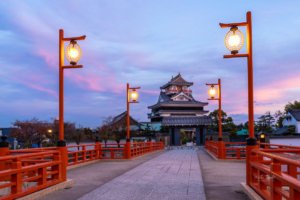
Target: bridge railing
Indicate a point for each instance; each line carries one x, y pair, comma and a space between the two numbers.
141, 148
25, 173
212, 147
275, 176
235, 150
226, 150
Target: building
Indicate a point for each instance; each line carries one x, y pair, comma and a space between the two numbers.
293, 119
177, 110
7, 132
120, 124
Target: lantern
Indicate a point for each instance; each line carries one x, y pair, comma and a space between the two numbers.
234, 40
134, 95
73, 52
212, 92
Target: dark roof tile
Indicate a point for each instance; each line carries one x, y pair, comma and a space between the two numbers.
186, 121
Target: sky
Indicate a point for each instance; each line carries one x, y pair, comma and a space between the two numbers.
145, 43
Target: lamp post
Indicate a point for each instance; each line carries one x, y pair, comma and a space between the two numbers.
213, 92
131, 97
234, 41
73, 55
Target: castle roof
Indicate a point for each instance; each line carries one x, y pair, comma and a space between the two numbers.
186, 121
177, 80
165, 100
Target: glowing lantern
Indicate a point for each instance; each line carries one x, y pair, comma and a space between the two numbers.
134, 95
212, 92
234, 40
73, 52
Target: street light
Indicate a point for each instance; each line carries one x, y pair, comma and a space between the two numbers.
212, 93
234, 40
73, 54
131, 97
134, 95
237, 45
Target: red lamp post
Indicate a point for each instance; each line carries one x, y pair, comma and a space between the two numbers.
131, 97
212, 93
234, 41
73, 54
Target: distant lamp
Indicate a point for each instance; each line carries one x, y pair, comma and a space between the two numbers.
234, 40
134, 95
73, 52
262, 136
49, 130
212, 92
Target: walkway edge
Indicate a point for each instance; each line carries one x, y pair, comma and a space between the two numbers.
64, 185
250, 192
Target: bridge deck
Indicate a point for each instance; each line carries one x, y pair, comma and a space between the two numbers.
173, 175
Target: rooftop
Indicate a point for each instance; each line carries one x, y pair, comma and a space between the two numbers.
177, 80
186, 121
295, 113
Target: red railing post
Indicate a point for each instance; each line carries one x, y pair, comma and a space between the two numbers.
75, 157
17, 177
127, 150
64, 162
238, 153
97, 144
83, 153
56, 157
221, 150
275, 184
249, 159
112, 154
42, 172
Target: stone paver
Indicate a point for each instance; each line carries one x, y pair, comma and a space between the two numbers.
222, 178
174, 175
90, 177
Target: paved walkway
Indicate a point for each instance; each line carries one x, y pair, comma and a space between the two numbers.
222, 178
174, 175
90, 177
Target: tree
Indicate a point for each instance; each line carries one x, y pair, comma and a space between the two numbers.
105, 130
31, 132
279, 117
291, 106
118, 134
265, 122
227, 122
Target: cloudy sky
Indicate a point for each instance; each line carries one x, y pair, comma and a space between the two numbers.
145, 43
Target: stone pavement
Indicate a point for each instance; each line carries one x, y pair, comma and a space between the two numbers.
90, 177
222, 178
174, 175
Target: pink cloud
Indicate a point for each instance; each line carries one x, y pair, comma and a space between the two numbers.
50, 58
96, 82
277, 89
